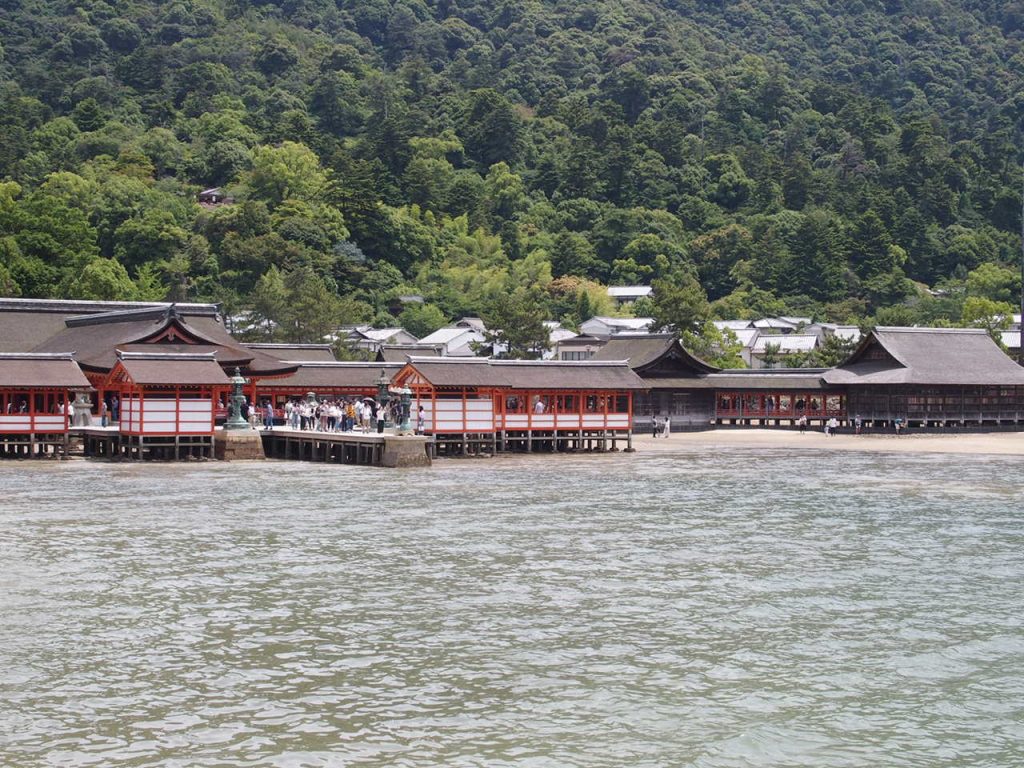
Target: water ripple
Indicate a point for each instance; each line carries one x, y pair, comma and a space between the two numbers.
712, 609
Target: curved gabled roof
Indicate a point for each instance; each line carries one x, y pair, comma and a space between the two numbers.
96, 339
951, 356
648, 351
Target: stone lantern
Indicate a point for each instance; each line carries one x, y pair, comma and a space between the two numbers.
235, 403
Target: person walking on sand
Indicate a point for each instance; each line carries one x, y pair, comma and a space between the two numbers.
666, 427
802, 423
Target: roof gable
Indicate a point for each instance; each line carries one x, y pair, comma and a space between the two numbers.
950, 356
653, 355
167, 369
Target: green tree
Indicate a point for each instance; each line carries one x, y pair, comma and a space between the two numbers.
993, 316
515, 321
718, 347
995, 282
289, 171
771, 357
270, 304
491, 129
679, 304
100, 280
421, 319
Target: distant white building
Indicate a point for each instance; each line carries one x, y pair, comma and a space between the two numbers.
581, 347
470, 322
626, 294
609, 326
787, 344
732, 325
779, 324
1011, 340
850, 333
556, 335
368, 339
747, 336
457, 342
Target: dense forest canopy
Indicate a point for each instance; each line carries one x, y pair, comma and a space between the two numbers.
856, 161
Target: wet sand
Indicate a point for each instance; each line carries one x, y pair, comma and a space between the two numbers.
1005, 443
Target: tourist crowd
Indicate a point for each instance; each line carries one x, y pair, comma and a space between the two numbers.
340, 415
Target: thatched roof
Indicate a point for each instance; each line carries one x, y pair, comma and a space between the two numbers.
24, 370
949, 356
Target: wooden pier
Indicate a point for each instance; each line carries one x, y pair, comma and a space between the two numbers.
368, 449
111, 443
34, 445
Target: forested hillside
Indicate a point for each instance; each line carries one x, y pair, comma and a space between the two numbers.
506, 158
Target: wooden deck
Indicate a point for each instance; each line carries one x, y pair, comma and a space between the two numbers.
111, 443
365, 448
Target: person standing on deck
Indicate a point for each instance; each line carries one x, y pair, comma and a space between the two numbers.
268, 418
421, 421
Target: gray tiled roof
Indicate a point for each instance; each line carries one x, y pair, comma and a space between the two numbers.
951, 356
528, 374
40, 370
315, 376
645, 350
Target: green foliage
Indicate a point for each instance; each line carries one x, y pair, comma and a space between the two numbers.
718, 347
993, 316
782, 156
679, 305
516, 320
421, 319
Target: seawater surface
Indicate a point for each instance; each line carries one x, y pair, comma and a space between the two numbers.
725, 608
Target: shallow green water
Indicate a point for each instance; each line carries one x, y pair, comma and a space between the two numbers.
734, 608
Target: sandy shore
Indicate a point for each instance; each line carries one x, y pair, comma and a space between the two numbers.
1011, 443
